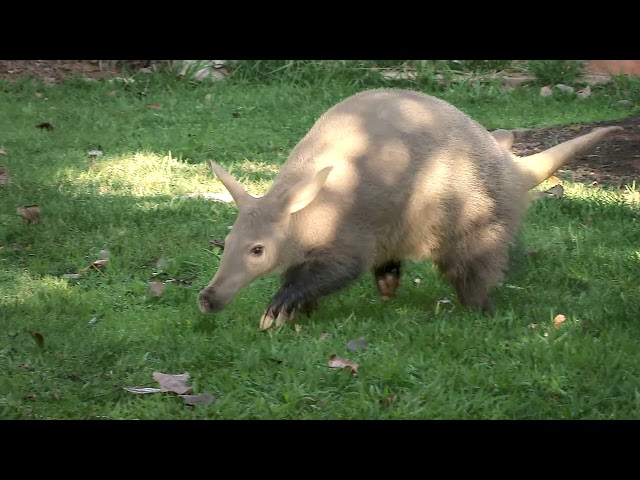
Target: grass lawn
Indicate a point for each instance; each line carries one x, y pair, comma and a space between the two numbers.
68, 346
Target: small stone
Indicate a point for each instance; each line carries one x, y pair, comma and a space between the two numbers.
545, 91
565, 88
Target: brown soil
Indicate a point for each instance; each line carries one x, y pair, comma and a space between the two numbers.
615, 161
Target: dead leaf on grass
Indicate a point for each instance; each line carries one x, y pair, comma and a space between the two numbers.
154, 106
156, 288
357, 344
324, 336
39, 338
173, 383
31, 213
45, 126
298, 328
200, 399
559, 320
389, 399
3, 151
207, 97
5, 177
95, 153
338, 362
96, 264
557, 191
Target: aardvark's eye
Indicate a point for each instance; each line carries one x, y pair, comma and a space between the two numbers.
257, 250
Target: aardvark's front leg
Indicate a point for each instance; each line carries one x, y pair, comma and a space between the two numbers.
304, 285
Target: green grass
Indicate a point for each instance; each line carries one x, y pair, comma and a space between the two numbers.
440, 361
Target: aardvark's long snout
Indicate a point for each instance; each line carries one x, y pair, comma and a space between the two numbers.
212, 300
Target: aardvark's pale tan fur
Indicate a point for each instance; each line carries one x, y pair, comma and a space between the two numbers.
384, 176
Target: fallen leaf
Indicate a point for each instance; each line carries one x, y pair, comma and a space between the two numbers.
200, 399
38, 95
27, 366
39, 338
207, 97
31, 213
534, 325
45, 126
142, 390
154, 106
173, 383
3, 151
112, 93
71, 275
584, 93
545, 91
357, 344
337, 362
559, 320
96, 264
298, 328
389, 399
557, 191
575, 128
5, 177
324, 336
156, 288
417, 281
95, 153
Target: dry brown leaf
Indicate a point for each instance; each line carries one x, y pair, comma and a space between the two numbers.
156, 288
559, 320
338, 362
389, 399
39, 338
534, 325
207, 97
3, 151
200, 399
557, 191
96, 264
324, 336
31, 213
5, 177
45, 126
154, 106
173, 383
575, 128
298, 328
357, 344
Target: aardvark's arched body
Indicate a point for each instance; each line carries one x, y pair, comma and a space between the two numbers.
384, 176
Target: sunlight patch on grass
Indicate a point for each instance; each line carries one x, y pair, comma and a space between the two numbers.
143, 174
24, 286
